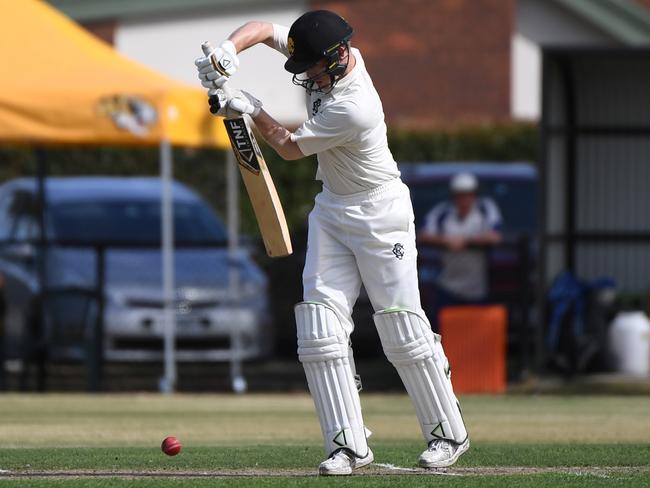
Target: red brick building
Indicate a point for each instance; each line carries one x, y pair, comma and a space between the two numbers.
435, 62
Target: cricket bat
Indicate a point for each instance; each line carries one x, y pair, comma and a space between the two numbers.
257, 179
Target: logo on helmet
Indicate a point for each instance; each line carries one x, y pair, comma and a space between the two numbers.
290, 46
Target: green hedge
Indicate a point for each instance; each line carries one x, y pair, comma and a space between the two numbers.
205, 170
513, 142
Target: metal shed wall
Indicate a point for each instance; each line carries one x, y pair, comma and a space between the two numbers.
596, 165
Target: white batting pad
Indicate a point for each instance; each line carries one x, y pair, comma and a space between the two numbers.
416, 352
323, 352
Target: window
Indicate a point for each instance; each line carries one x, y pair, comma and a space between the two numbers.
5, 221
23, 216
132, 221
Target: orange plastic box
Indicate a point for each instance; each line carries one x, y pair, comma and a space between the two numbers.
474, 338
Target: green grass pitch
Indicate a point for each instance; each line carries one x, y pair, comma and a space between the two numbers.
274, 440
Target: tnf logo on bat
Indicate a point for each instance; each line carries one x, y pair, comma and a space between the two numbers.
398, 251
245, 149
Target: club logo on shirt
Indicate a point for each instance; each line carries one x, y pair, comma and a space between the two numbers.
398, 251
316, 106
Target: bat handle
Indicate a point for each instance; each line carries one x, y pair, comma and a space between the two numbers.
207, 49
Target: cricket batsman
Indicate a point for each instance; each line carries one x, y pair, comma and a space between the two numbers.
361, 230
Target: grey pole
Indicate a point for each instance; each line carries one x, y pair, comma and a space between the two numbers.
237, 379
168, 381
232, 184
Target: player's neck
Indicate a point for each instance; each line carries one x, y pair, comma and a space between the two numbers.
464, 212
352, 62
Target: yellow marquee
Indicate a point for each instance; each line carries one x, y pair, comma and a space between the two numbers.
61, 85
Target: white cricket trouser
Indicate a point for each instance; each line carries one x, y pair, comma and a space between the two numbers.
369, 237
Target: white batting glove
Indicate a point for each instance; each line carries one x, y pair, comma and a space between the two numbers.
245, 103
218, 66
239, 103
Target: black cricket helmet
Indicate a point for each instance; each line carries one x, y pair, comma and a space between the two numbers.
315, 36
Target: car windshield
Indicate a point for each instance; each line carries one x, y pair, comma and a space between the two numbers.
132, 221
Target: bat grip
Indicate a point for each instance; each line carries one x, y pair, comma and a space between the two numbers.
207, 49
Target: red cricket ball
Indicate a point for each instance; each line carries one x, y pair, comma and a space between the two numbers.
171, 446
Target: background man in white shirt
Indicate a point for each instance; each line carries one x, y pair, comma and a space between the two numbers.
463, 226
360, 230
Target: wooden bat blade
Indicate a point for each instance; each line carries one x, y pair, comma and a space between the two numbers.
261, 190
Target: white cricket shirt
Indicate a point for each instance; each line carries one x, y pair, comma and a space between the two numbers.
464, 272
346, 130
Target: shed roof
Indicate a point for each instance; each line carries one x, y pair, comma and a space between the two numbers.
92, 10
625, 20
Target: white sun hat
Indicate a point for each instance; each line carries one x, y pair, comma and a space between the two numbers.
463, 182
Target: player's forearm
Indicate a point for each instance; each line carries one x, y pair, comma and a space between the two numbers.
277, 136
486, 238
252, 33
431, 239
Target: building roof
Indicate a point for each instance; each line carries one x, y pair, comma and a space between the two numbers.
625, 20
95, 10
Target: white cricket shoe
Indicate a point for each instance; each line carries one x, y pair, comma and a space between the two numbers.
442, 453
342, 462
